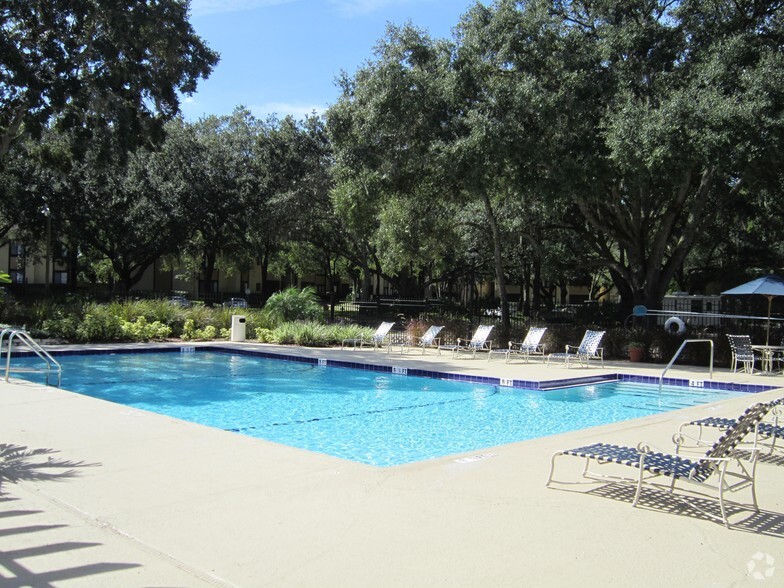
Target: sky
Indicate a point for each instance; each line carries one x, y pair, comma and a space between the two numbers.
283, 56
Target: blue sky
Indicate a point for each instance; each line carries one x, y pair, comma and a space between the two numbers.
283, 56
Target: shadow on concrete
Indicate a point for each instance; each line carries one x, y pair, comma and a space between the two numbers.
741, 518
30, 540
19, 463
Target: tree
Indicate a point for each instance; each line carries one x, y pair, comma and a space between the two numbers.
222, 184
121, 208
93, 64
642, 116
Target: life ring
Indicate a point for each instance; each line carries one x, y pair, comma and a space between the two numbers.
675, 326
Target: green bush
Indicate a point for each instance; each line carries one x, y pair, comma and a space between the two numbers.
264, 335
294, 305
191, 333
141, 330
99, 327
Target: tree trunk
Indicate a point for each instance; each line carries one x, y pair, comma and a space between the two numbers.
498, 263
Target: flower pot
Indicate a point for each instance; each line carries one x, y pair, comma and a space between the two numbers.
636, 353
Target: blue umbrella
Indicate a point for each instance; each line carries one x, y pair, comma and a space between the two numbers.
769, 286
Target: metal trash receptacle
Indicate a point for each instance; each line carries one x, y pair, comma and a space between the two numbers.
237, 327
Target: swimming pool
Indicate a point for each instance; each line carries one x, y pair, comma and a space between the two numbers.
375, 418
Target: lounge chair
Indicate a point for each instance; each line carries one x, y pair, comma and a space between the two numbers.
531, 345
769, 431
742, 353
587, 349
428, 339
698, 471
376, 340
478, 342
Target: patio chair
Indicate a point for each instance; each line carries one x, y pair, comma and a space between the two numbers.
478, 342
587, 349
428, 339
377, 339
768, 433
742, 353
698, 471
529, 346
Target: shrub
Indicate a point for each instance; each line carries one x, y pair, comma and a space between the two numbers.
264, 335
294, 305
141, 330
61, 328
191, 333
99, 327
339, 333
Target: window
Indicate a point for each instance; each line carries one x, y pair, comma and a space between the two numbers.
17, 276
60, 277
17, 249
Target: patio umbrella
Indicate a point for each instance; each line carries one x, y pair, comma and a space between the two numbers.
769, 286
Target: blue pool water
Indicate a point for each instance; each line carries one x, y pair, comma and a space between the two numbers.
369, 417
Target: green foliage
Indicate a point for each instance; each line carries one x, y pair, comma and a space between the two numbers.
294, 305
99, 327
191, 333
265, 335
141, 330
151, 47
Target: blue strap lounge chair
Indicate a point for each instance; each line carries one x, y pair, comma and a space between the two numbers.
478, 342
588, 349
428, 339
376, 340
531, 345
769, 431
698, 471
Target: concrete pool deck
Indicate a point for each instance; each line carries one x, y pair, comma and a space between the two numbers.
97, 494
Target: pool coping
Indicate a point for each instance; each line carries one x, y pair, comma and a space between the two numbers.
542, 385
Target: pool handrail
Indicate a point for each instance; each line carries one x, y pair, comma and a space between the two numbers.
677, 353
23, 336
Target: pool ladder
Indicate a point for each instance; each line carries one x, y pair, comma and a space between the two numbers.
677, 353
21, 336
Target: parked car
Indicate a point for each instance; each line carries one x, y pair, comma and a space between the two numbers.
180, 301
236, 303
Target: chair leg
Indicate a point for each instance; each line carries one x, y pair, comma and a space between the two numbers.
552, 467
721, 495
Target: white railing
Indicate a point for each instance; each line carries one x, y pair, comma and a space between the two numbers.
21, 336
677, 353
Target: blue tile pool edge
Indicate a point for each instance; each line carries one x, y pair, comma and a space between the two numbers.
395, 370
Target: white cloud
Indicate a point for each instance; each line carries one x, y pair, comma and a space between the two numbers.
205, 7
281, 109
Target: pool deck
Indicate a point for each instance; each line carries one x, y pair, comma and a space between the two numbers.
96, 494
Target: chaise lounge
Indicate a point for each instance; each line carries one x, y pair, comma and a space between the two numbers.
699, 471
478, 342
584, 352
376, 340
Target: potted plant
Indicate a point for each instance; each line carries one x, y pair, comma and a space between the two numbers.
636, 351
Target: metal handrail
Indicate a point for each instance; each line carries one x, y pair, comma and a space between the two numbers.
677, 353
30, 343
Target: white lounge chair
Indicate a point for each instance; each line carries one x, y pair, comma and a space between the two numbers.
584, 352
478, 342
529, 346
428, 339
376, 340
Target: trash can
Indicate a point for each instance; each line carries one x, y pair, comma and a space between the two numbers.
237, 327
